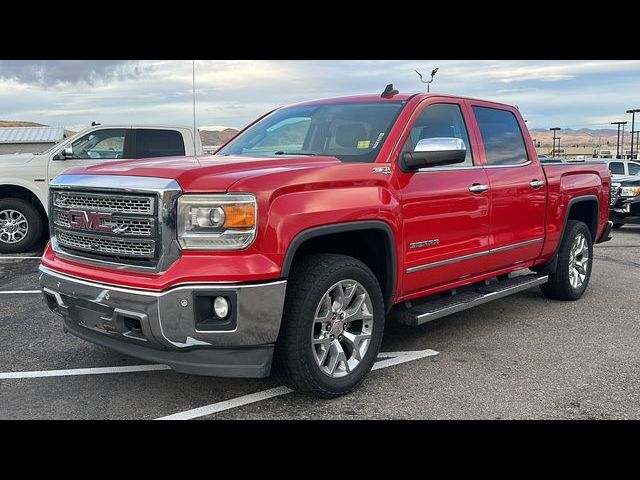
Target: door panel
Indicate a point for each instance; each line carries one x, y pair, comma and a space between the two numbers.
517, 214
437, 206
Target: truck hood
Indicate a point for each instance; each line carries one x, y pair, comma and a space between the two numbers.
629, 181
213, 173
16, 159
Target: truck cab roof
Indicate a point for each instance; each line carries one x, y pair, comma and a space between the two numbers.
402, 97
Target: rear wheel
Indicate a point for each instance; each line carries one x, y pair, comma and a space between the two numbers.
575, 258
20, 225
332, 326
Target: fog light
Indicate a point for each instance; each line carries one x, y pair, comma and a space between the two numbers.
221, 307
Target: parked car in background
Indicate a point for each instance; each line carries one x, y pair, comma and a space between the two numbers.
298, 237
625, 201
619, 167
25, 177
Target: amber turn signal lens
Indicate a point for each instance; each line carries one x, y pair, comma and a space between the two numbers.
239, 216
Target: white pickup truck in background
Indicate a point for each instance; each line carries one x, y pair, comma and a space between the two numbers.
25, 177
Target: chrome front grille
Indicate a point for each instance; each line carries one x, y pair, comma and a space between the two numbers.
119, 247
105, 202
122, 222
108, 226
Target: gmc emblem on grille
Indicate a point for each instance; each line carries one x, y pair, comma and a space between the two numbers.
89, 220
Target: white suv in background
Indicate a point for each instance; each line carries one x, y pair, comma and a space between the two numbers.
25, 177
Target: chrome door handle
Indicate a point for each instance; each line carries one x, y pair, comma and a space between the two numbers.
478, 188
536, 183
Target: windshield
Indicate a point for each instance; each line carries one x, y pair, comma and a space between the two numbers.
352, 132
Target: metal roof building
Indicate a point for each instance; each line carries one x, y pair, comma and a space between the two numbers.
29, 139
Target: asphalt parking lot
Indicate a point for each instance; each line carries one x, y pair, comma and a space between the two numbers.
523, 357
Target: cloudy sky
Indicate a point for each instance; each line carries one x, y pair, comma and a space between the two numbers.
569, 94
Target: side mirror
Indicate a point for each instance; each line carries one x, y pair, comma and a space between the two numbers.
432, 152
67, 152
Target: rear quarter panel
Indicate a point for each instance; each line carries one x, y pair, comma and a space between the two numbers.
566, 182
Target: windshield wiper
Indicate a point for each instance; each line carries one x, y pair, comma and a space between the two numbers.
280, 152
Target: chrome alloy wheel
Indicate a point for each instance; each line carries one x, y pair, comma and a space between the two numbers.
578, 261
13, 226
342, 327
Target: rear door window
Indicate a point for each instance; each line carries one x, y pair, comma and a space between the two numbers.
159, 143
501, 135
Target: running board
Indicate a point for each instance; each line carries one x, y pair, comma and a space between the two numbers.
443, 306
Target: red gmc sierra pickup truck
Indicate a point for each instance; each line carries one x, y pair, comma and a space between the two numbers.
295, 241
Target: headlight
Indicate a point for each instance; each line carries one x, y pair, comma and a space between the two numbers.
629, 191
216, 222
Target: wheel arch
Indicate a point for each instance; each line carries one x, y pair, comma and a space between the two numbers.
23, 193
368, 235
584, 208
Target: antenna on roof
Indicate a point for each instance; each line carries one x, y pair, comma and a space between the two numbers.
389, 91
93, 124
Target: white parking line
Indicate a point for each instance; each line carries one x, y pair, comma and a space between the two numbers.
82, 371
20, 291
228, 404
391, 358
20, 258
396, 358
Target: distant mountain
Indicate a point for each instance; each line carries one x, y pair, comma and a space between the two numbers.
18, 123
583, 137
581, 131
217, 137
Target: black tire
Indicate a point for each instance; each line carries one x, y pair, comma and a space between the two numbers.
295, 364
559, 286
34, 222
617, 226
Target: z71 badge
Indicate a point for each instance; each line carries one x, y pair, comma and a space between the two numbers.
382, 170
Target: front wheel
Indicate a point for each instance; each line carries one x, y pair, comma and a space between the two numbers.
332, 326
575, 258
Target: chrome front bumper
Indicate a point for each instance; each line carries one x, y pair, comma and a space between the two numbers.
161, 326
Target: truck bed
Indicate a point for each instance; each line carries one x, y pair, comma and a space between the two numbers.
567, 183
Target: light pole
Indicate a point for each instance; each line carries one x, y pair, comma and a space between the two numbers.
618, 142
633, 134
554, 130
558, 146
633, 118
428, 82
